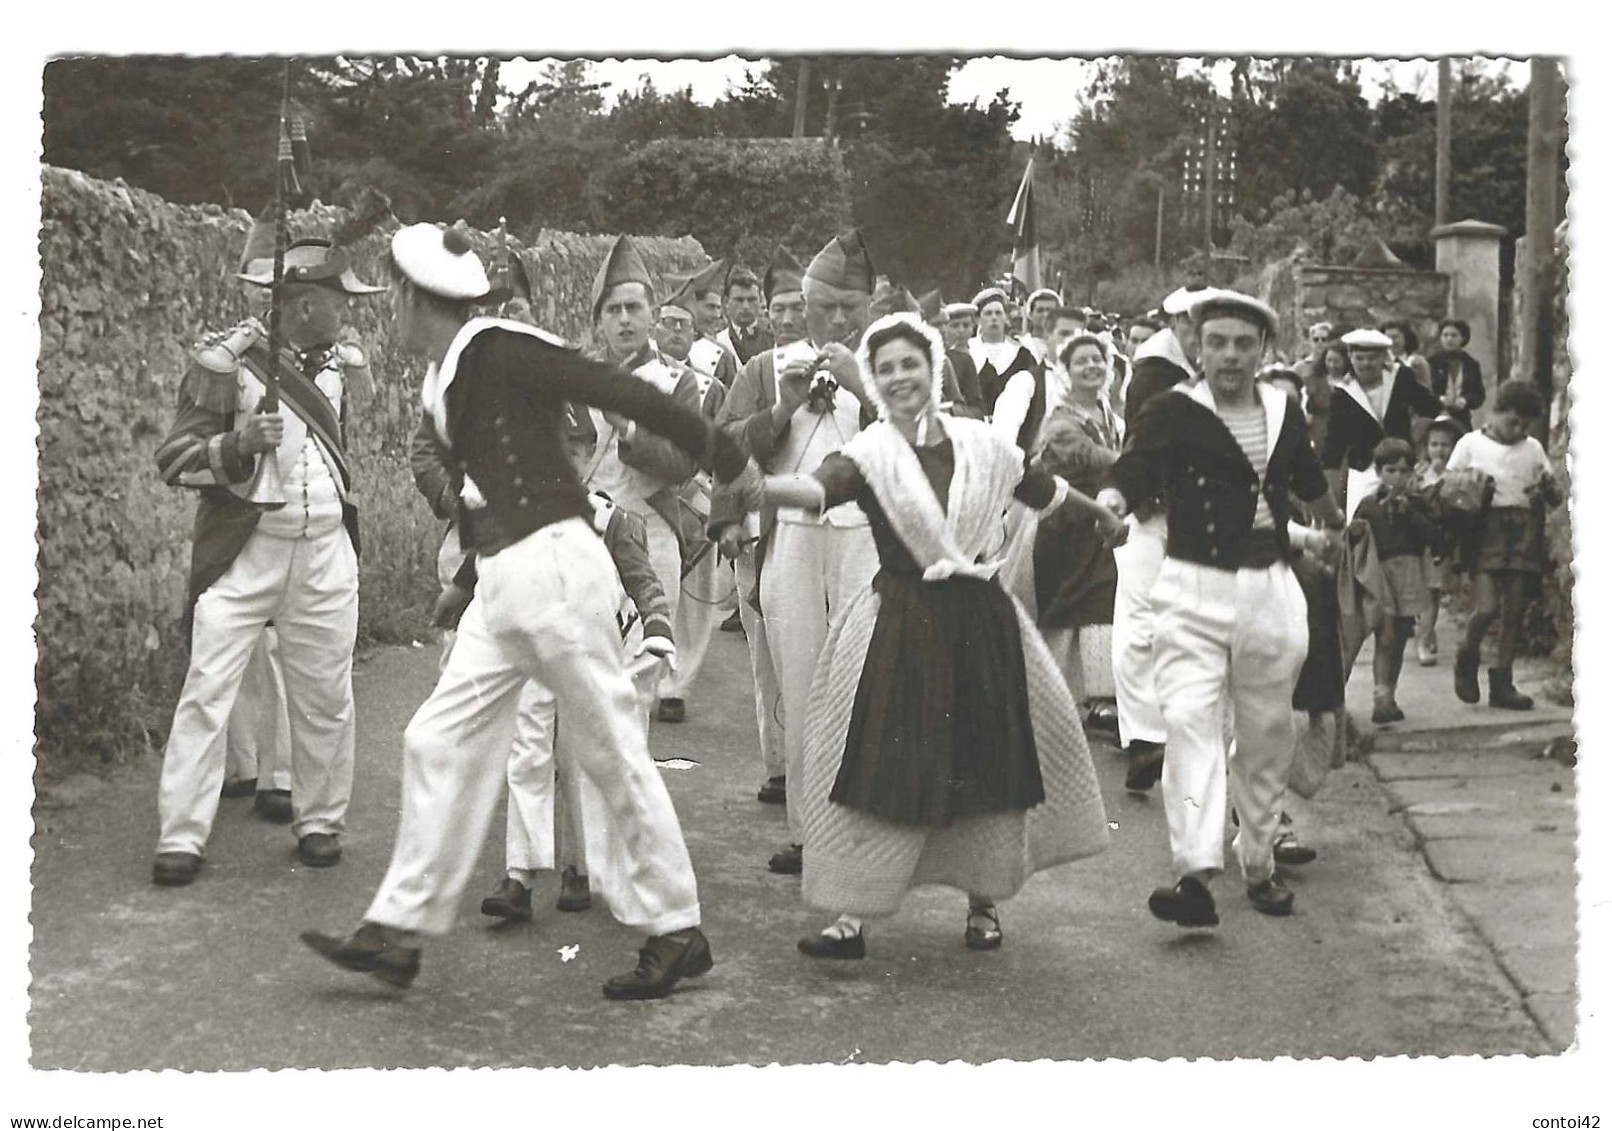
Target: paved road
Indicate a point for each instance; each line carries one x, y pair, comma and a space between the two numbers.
1378, 959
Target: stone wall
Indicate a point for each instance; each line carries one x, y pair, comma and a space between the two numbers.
1305, 293
129, 282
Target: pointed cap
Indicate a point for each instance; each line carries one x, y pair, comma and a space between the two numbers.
682, 296
622, 264
930, 305
891, 300
844, 263
783, 274
709, 278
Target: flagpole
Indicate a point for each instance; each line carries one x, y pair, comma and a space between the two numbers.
267, 489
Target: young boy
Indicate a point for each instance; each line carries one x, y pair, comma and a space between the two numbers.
1509, 557
1439, 441
1402, 525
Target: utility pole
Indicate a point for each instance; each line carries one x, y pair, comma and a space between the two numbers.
803, 76
1543, 210
1441, 175
1211, 119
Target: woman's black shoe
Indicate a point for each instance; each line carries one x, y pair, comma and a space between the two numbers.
825, 946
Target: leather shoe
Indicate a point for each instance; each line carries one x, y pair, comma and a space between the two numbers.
828, 946
1271, 897
372, 949
1188, 904
240, 787
983, 930
1147, 766
273, 805
788, 862
319, 850
662, 960
511, 902
671, 711
175, 869
772, 793
1289, 853
574, 892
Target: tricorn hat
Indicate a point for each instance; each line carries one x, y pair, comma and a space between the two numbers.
844, 263
783, 274
622, 264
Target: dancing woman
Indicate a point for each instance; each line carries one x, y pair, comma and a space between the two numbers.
942, 746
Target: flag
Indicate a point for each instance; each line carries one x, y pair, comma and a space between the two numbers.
1026, 251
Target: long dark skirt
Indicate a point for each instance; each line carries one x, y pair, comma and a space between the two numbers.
940, 726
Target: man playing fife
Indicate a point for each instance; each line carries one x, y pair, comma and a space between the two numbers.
296, 564
639, 471
544, 609
1226, 454
755, 392
814, 564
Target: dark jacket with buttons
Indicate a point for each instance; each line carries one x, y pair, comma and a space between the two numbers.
506, 415
1353, 433
1179, 449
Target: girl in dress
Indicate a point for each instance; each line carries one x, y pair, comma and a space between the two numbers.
942, 745
1509, 556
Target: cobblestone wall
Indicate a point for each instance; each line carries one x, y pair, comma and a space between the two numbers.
128, 282
1305, 293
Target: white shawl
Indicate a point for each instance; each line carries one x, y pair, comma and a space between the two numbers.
986, 471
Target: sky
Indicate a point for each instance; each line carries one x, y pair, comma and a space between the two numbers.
1048, 90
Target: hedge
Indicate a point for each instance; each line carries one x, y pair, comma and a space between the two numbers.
129, 281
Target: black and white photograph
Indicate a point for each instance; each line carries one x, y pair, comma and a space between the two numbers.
962, 578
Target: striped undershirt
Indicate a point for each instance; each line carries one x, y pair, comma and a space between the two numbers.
1247, 427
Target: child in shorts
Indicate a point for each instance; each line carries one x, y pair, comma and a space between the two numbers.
1437, 444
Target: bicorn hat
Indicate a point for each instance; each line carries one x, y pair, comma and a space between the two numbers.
844, 263
622, 264
306, 261
783, 274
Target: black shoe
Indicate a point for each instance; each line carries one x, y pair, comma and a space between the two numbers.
662, 960
511, 902
671, 711
733, 623
1466, 676
1289, 853
1504, 695
828, 946
574, 892
773, 792
1103, 718
273, 805
1147, 766
319, 850
240, 787
1188, 904
175, 869
1387, 712
983, 930
1271, 897
788, 862
372, 949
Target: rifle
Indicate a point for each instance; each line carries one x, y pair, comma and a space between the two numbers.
268, 488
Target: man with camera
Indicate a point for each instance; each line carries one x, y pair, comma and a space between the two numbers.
812, 564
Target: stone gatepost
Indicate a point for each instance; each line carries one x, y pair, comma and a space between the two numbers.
1469, 253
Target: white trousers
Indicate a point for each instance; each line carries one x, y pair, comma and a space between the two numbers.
555, 816
1226, 639
812, 572
769, 700
259, 735
704, 593
309, 588
545, 610
1135, 695
667, 561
